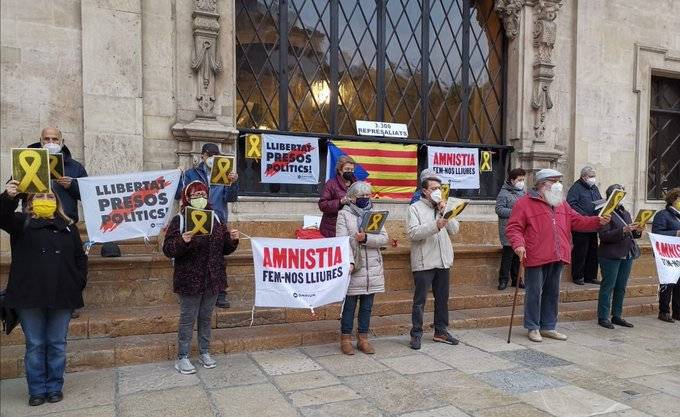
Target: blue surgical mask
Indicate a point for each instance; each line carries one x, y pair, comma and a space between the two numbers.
363, 202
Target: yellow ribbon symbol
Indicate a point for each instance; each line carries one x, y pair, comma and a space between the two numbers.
254, 151
223, 166
645, 216
486, 161
54, 161
199, 218
375, 222
31, 171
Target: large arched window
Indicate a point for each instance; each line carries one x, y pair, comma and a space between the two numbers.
317, 66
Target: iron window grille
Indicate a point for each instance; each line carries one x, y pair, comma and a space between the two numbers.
663, 164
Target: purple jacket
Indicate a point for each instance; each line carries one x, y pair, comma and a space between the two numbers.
329, 203
199, 264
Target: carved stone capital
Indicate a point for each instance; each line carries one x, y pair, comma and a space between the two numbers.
508, 11
205, 60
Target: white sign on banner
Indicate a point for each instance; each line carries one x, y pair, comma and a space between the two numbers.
289, 160
127, 206
667, 257
457, 166
300, 273
389, 130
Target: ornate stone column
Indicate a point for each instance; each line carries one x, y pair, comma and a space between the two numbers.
206, 66
532, 32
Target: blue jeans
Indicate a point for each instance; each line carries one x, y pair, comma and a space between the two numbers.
45, 331
615, 273
542, 296
365, 306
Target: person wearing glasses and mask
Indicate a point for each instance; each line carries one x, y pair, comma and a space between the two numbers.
431, 259
334, 195
539, 231
47, 276
219, 196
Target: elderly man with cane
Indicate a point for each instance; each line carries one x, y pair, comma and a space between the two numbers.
539, 231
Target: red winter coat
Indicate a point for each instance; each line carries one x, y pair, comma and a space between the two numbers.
329, 203
544, 231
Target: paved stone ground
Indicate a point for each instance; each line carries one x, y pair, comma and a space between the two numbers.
622, 372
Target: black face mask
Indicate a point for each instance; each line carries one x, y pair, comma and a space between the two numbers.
349, 176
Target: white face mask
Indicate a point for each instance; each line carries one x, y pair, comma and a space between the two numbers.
209, 162
591, 181
436, 196
53, 147
519, 185
553, 195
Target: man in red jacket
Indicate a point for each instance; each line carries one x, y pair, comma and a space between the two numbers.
539, 231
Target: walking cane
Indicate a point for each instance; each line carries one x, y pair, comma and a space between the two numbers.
520, 279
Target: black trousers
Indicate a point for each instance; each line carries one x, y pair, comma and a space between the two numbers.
509, 266
584, 256
668, 292
438, 279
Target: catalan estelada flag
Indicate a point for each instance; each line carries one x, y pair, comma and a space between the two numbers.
392, 169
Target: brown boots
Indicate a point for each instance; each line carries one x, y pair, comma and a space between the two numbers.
346, 344
364, 345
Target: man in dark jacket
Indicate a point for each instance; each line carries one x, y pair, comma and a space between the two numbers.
582, 197
667, 222
512, 190
219, 195
65, 187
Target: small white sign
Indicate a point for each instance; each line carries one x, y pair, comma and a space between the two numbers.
389, 130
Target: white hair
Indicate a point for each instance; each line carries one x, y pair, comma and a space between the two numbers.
358, 188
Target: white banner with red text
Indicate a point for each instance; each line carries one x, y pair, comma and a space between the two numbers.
127, 206
667, 257
300, 273
289, 159
458, 167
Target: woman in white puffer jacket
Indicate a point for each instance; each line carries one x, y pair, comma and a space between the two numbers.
367, 276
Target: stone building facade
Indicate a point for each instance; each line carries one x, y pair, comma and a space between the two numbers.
141, 84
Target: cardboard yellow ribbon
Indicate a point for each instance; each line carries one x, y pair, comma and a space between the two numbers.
375, 222
53, 166
223, 166
199, 218
486, 161
645, 215
31, 171
254, 151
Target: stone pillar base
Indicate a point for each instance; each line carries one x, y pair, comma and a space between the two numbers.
191, 137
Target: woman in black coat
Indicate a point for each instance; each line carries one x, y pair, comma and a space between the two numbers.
667, 222
46, 279
616, 254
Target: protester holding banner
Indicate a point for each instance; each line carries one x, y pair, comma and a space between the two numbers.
431, 258
199, 275
582, 197
368, 276
219, 195
47, 275
667, 222
616, 253
334, 195
539, 231
511, 191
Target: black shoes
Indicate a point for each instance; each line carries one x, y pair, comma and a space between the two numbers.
579, 282
666, 317
621, 322
676, 316
502, 285
55, 397
594, 281
415, 342
222, 301
35, 401
605, 323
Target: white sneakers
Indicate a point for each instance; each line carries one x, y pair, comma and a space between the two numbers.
185, 367
207, 361
553, 334
535, 336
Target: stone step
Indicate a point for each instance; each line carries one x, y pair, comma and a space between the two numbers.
86, 354
129, 321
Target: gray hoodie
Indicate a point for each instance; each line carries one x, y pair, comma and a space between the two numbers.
507, 198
